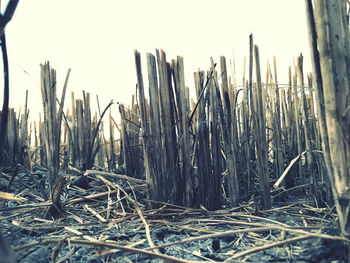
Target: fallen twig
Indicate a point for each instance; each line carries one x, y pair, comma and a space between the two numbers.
267, 246
113, 175
284, 174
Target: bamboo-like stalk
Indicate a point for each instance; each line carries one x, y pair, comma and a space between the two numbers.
296, 110
52, 128
167, 125
332, 66
150, 176
277, 125
203, 157
214, 126
155, 128
260, 133
225, 122
304, 113
184, 102
74, 147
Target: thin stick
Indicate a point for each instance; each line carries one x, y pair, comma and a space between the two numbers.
200, 96
279, 181
267, 246
119, 176
221, 234
148, 232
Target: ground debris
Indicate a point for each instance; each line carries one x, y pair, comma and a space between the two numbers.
112, 221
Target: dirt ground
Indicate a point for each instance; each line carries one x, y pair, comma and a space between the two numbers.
112, 221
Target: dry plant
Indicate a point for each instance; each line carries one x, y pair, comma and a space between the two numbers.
330, 48
52, 135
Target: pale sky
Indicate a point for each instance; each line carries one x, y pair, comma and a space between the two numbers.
97, 40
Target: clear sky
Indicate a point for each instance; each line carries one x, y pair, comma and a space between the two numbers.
97, 40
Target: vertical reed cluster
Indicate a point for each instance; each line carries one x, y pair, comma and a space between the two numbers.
235, 140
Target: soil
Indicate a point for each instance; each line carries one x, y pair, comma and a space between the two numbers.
120, 226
